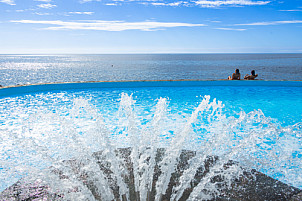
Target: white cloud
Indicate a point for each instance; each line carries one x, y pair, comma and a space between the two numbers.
108, 25
38, 13
9, 2
294, 10
230, 29
218, 3
178, 3
81, 13
201, 3
272, 23
111, 4
47, 6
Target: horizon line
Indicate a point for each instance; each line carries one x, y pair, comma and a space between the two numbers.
151, 53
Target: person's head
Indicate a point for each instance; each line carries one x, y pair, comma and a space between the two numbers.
253, 72
237, 71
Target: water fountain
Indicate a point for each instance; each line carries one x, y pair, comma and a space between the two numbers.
82, 154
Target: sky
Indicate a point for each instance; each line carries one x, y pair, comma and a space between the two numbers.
150, 26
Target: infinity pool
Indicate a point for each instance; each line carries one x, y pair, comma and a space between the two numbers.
257, 123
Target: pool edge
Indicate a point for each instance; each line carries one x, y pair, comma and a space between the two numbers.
125, 81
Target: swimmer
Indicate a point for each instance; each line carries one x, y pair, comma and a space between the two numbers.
235, 76
252, 76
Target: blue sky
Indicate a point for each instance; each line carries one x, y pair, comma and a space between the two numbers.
150, 26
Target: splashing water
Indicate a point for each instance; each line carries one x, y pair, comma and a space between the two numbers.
82, 154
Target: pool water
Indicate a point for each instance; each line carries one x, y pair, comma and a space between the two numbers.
258, 124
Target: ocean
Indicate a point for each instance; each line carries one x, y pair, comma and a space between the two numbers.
30, 69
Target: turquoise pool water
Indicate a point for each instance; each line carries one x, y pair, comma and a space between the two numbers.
258, 123
281, 100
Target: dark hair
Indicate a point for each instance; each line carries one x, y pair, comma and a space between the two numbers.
253, 72
237, 71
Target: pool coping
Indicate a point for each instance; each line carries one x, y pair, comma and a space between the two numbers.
134, 81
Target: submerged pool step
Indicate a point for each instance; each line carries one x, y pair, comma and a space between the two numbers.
250, 185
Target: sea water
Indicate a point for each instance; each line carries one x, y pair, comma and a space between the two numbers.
25, 69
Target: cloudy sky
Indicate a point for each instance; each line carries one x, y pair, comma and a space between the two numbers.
150, 26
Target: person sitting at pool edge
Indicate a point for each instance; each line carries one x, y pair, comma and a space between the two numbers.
252, 76
235, 76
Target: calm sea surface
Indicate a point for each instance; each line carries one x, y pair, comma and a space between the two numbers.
25, 69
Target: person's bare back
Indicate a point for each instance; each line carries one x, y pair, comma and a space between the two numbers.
235, 76
251, 77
